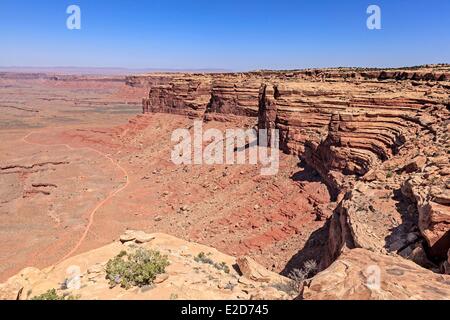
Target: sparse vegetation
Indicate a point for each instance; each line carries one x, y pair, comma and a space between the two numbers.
53, 295
135, 269
298, 277
203, 258
389, 174
230, 286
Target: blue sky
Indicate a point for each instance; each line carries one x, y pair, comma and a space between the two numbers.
229, 34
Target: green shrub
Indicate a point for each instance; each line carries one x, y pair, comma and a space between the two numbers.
136, 269
222, 266
49, 295
53, 295
203, 258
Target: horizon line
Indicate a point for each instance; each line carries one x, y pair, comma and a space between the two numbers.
128, 70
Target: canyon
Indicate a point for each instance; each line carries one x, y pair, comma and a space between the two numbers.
363, 181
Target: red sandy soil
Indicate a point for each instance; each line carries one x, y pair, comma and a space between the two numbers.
71, 186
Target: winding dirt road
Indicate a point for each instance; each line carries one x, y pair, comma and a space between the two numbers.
100, 204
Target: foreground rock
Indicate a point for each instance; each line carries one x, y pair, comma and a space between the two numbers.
378, 138
186, 277
254, 271
363, 275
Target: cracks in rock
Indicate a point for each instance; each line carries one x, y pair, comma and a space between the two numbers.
12, 168
20, 109
29, 193
44, 185
38, 189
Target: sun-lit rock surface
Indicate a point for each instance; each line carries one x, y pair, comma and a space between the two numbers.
364, 275
380, 141
185, 277
373, 177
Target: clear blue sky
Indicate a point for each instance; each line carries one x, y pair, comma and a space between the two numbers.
238, 35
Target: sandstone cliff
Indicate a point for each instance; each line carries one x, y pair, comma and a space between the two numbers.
378, 138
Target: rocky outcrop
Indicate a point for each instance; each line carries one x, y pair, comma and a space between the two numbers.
186, 277
401, 204
203, 95
378, 138
255, 272
364, 275
235, 95
185, 95
432, 196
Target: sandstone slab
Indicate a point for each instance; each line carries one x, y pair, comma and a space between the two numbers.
363, 275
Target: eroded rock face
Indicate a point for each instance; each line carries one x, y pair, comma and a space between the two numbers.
379, 139
203, 95
185, 277
429, 189
434, 213
187, 95
447, 264
364, 275
401, 196
235, 95
16, 287
255, 272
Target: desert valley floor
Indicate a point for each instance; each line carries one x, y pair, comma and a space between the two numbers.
78, 144
364, 168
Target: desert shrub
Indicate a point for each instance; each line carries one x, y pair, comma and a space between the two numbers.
389, 174
203, 258
49, 295
222, 266
53, 295
298, 276
136, 269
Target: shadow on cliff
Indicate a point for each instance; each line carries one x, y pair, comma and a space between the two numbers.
314, 249
409, 222
315, 246
307, 174
410, 216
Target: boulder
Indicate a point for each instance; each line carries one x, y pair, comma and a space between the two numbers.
136, 236
434, 223
128, 236
142, 237
11, 290
360, 274
416, 164
18, 286
255, 272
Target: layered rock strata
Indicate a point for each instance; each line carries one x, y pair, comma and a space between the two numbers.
364, 275
379, 139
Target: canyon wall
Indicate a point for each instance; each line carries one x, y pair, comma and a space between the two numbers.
371, 134
379, 140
